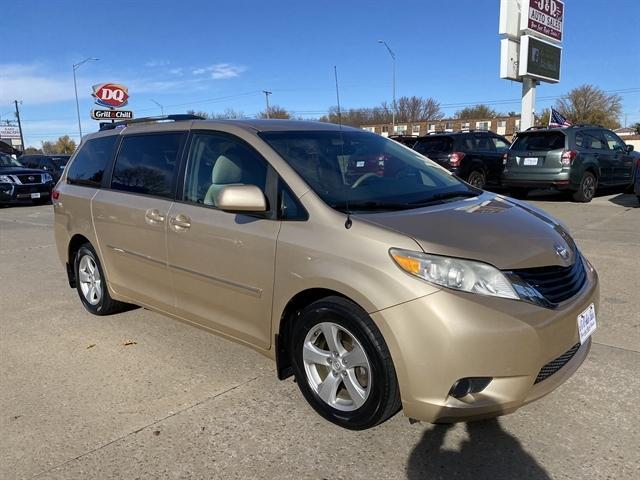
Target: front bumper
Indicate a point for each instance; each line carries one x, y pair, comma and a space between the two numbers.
11, 192
446, 336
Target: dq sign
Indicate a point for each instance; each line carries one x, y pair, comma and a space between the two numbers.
111, 95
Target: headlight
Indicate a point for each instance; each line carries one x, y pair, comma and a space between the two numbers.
5, 179
46, 177
464, 275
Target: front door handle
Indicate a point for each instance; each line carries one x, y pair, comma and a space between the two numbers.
153, 216
180, 222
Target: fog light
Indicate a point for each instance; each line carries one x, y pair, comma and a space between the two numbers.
465, 386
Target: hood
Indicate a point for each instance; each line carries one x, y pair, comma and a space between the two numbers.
20, 171
488, 228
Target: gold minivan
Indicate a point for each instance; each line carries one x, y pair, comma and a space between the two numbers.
374, 276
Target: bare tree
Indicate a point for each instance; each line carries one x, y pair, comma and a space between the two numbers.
64, 144
590, 104
416, 109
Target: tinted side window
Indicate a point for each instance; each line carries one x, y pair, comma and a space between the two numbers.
147, 164
500, 144
434, 145
592, 139
485, 143
613, 141
216, 160
288, 206
89, 164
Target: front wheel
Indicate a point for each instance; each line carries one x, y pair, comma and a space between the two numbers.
91, 283
587, 189
342, 364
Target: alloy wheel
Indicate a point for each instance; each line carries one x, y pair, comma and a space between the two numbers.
336, 366
90, 281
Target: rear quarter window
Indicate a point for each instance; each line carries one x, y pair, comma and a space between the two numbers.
539, 141
89, 164
147, 164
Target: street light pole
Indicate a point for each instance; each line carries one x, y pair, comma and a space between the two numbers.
393, 65
15, 102
75, 87
161, 107
266, 97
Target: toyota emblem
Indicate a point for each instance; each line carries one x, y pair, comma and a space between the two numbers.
31, 178
562, 252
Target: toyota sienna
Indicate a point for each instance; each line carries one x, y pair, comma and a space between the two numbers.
399, 287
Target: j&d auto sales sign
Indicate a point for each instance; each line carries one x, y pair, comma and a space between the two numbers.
543, 17
111, 95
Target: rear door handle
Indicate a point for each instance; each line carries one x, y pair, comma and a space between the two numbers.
180, 222
154, 216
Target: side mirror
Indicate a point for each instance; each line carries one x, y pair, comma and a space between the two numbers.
629, 148
241, 199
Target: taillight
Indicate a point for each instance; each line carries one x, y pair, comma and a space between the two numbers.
55, 194
455, 158
568, 156
504, 158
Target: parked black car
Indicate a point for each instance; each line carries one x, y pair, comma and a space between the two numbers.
406, 140
577, 159
20, 183
54, 164
474, 156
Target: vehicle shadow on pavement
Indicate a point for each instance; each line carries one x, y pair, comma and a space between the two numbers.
626, 200
489, 452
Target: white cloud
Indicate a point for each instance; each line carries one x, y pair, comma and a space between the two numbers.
221, 71
31, 84
176, 71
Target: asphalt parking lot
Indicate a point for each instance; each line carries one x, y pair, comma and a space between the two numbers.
137, 395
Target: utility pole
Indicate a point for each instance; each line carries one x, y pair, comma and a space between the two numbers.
75, 87
19, 125
266, 97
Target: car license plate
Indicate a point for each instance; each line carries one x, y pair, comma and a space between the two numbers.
587, 323
35, 195
531, 161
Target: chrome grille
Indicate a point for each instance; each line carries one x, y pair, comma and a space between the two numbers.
556, 283
30, 178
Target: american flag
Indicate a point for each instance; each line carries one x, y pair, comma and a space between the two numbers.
557, 120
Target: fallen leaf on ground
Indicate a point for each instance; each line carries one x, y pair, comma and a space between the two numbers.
91, 346
130, 342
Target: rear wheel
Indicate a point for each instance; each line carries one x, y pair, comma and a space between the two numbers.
587, 189
91, 284
477, 179
342, 364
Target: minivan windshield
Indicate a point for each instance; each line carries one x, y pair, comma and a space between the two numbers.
539, 141
361, 171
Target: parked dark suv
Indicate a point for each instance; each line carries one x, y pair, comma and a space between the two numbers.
473, 156
54, 164
20, 183
578, 159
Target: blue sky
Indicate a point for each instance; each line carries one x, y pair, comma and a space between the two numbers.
207, 55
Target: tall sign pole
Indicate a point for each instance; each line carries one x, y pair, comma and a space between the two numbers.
19, 125
530, 49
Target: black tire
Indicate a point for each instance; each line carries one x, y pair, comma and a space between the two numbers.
520, 193
105, 305
383, 399
587, 188
477, 179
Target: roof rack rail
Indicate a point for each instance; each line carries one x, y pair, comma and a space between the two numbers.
175, 117
580, 125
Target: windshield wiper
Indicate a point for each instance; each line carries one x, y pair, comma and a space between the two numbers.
372, 205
